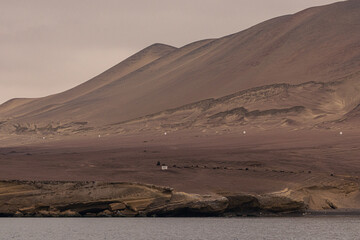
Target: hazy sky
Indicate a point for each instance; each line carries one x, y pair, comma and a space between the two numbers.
47, 46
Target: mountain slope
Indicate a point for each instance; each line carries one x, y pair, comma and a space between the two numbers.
318, 44
127, 66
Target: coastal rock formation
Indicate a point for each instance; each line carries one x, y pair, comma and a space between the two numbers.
182, 204
95, 199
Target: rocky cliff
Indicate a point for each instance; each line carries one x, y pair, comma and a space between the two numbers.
96, 199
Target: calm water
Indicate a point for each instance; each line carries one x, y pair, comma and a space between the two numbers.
180, 228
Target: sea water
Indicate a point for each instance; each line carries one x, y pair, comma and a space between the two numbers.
180, 228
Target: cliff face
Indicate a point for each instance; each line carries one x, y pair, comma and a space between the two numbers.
93, 199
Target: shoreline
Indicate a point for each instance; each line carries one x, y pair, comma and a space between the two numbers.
111, 199
320, 214
334, 212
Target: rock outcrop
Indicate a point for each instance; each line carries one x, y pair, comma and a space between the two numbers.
97, 199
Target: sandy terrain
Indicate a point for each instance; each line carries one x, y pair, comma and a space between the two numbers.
318, 44
256, 162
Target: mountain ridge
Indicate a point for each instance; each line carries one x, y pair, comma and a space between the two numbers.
318, 44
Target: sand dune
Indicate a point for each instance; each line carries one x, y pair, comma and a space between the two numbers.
20, 107
279, 105
318, 44
295, 107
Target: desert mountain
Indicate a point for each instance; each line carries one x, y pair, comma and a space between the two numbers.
130, 64
290, 70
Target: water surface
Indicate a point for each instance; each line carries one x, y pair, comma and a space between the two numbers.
180, 228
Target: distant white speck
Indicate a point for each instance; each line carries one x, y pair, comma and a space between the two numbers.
244, 132
341, 133
165, 133
44, 137
99, 136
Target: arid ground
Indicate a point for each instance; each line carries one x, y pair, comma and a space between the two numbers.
321, 163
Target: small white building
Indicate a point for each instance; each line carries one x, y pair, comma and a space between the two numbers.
164, 168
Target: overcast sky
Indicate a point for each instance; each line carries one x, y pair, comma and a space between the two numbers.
48, 46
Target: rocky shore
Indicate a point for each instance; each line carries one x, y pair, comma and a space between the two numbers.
100, 199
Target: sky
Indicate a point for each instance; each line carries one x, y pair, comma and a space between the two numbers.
48, 46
